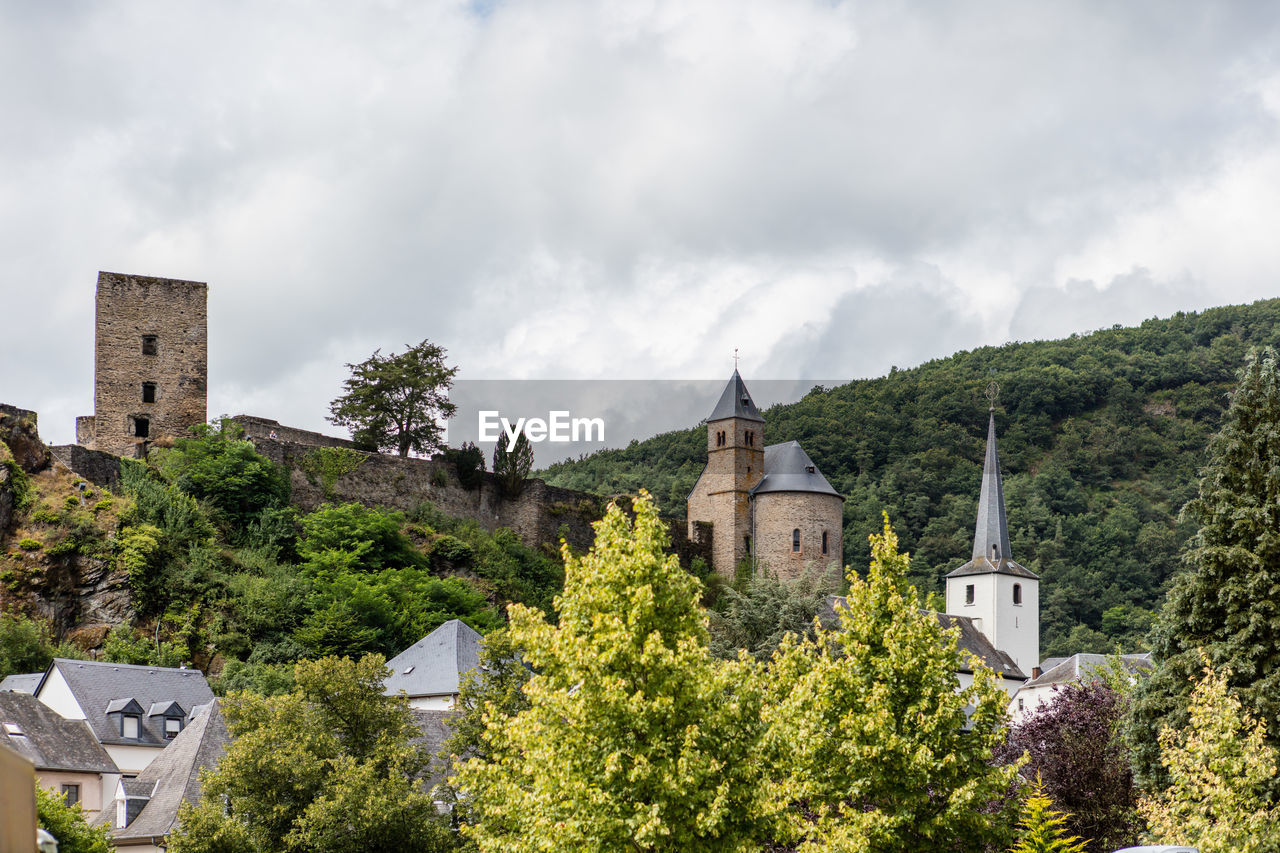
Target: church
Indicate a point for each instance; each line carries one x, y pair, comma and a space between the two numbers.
770, 507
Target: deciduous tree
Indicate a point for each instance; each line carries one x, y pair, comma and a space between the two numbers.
1218, 767
330, 766
634, 738
880, 748
393, 401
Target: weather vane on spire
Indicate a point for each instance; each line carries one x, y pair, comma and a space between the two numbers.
735, 358
993, 391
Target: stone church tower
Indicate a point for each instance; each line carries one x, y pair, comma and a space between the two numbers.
150, 362
999, 595
767, 504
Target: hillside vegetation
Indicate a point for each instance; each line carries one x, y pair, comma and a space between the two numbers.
1101, 439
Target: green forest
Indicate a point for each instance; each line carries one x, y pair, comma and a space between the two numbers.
1102, 437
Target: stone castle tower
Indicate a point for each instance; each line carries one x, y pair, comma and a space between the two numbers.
150, 362
769, 504
999, 595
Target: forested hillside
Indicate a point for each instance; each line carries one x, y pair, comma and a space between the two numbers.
1101, 438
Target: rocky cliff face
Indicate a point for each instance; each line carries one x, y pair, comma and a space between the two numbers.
56, 537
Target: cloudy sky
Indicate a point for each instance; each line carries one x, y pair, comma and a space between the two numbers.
582, 189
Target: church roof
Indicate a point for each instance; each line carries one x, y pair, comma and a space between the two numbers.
991, 551
434, 665
972, 643
1083, 666
787, 468
735, 402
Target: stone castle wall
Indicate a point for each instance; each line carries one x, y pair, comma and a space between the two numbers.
150, 362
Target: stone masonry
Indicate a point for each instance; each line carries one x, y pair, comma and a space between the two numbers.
150, 362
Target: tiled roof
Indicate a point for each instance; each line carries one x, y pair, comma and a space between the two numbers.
174, 776
787, 468
1081, 666
971, 640
51, 742
735, 402
21, 682
434, 665
98, 685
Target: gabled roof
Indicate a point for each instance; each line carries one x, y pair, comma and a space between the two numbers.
50, 741
991, 551
174, 776
972, 643
97, 685
21, 682
735, 402
787, 468
1082, 666
434, 665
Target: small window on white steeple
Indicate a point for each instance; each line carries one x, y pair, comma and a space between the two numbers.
1017, 593
968, 594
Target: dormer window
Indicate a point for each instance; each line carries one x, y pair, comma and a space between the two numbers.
125, 715
172, 726
129, 726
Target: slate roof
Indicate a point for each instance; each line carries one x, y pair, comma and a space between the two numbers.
21, 682
971, 640
1082, 666
991, 551
787, 468
174, 776
50, 741
98, 684
735, 402
434, 665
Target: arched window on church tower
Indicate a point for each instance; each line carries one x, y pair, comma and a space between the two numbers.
1017, 593
795, 541
824, 543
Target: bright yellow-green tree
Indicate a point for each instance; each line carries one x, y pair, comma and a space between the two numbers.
634, 738
880, 749
1218, 767
1041, 829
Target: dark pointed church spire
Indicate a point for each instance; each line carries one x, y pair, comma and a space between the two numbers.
735, 402
991, 536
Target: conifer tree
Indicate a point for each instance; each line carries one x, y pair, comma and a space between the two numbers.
1227, 601
1043, 830
879, 748
635, 738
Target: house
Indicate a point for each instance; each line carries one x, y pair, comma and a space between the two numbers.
145, 808
1076, 669
430, 671
21, 682
17, 801
767, 505
66, 756
133, 711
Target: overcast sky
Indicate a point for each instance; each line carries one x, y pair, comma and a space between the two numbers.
564, 189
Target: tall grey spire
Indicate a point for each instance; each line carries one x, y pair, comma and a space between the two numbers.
735, 402
991, 536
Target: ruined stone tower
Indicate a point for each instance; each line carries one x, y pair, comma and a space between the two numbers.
150, 362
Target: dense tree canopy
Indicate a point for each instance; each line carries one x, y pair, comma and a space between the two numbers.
392, 402
329, 766
1226, 603
1101, 439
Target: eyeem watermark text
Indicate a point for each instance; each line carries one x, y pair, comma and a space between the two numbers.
558, 427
